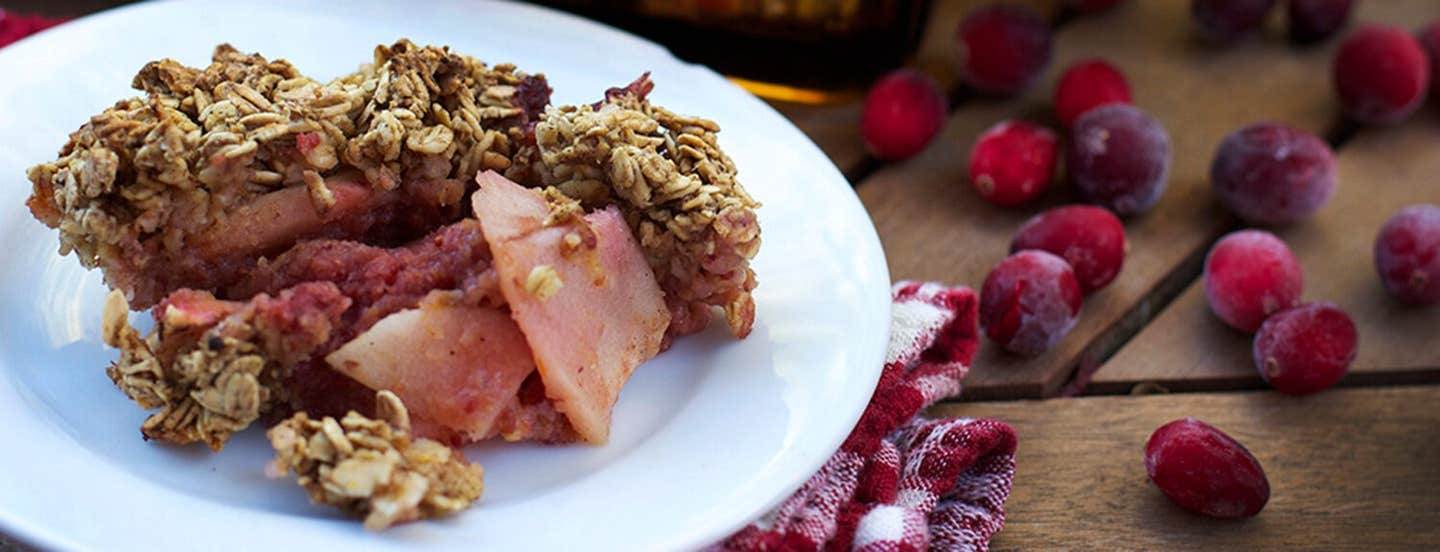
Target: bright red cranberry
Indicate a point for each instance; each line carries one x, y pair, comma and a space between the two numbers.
1088, 84
1305, 349
1029, 301
1205, 471
1119, 157
1091, 6
1273, 174
1429, 38
1315, 20
1012, 162
1407, 254
1091, 239
1381, 74
1003, 47
1249, 275
902, 113
1228, 20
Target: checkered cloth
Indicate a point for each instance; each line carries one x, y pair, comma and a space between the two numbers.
14, 26
902, 482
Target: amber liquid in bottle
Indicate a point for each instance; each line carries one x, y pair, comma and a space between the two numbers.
801, 50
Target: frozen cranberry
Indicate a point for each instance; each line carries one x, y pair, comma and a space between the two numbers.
1313, 20
1091, 239
902, 113
1205, 471
1269, 173
1407, 254
1228, 20
1003, 47
1429, 38
1012, 162
1381, 74
1249, 275
1088, 84
1305, 349
1029, 301
1091, 6
1119, 157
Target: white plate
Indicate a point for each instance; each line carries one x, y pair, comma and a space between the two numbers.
706, 436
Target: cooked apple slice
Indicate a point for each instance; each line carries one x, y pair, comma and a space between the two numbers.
456, 366
278, 218
590, 308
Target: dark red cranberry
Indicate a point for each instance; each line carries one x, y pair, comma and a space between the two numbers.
902, 113
1429, 38
1228, 20
1306, 348
1003, 48
1012, 162
1088, 84
1407, 254
1315, 20
1205, 471
1249, 275
1091, 239
1029, 301
1381, 74
1119, 158
1273, 174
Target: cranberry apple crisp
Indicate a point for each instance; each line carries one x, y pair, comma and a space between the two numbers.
420, 254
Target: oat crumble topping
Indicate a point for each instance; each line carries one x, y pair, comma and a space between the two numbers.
372, 467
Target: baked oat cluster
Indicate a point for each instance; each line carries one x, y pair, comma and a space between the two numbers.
303, 245
372, 467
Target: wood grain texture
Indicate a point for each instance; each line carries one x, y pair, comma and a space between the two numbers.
1381, 170
934, 227
1353, 469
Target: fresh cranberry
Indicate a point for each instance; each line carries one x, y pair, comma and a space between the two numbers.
1029, 301
1407, 254
1381, 74
1273, 174
1205, 471
1429, 38
1249, 275
902, 113
1314, 20
1088, 84
1091, 6
1003, 47
1119, 157
1305, 349
1091, 239
1228, 20
1012, 162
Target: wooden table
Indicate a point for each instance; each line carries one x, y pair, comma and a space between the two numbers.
1356, 467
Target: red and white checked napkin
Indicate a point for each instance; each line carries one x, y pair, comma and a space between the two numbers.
903, 482
14, 26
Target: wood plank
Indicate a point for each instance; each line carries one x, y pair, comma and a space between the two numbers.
1352, 469
934, 227
1381, 170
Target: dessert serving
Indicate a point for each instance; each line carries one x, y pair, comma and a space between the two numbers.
421, 254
